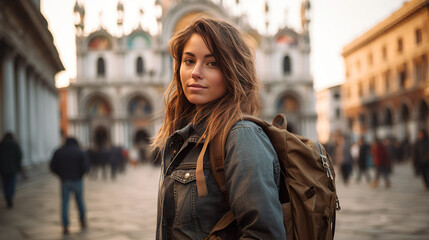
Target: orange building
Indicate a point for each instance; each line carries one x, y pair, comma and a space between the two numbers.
387, 85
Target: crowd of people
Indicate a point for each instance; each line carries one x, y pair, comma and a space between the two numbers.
110, 161
380, 155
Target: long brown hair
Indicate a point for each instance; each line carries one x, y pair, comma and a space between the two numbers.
236, 61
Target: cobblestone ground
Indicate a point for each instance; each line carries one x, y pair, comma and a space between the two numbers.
126, 208
397, 213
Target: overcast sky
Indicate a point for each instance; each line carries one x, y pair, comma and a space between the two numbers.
334, 23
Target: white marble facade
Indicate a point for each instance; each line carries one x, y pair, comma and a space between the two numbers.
28, 96
118, 91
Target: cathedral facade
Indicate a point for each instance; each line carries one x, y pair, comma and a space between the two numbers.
117, 96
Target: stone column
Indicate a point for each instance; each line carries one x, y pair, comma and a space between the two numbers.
23, 110
8, 95
37, 113
31, 119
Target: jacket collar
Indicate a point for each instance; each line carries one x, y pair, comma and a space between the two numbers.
190, 132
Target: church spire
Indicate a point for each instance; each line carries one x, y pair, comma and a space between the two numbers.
79, 17
120, 15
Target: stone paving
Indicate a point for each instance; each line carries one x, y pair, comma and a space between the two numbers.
125, 209
397, 213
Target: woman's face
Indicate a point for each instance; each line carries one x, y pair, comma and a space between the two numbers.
201, 78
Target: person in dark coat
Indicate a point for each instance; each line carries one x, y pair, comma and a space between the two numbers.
115, 159
70, 163
364, 152
421, 156
10, 165
382, 163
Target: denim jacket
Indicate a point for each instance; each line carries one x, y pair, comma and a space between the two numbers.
252, 180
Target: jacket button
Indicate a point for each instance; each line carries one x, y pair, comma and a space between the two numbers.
174, 152
187, 175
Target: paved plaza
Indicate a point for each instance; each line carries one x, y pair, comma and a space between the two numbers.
125, 209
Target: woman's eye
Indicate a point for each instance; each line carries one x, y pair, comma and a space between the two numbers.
188, 61
212, 63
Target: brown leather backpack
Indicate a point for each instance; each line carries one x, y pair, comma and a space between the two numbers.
307, 191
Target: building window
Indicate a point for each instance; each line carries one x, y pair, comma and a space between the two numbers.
337, 113
402, 76
387, 80
139, 66
337, 95
101, 67
370, 60
418, 35
372, 85
420, 69
400, 45
384, 52
286, 65
360, 91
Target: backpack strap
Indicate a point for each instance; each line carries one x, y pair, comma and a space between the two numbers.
199, 172
223, 223
216, 154
217, 162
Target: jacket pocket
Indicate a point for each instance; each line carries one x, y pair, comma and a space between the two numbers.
185, 194
184, 176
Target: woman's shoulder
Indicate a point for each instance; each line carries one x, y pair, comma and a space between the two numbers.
245, 124
246, 128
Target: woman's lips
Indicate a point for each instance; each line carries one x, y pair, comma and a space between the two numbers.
195, 86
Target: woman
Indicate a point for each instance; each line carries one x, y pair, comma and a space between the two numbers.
214, 84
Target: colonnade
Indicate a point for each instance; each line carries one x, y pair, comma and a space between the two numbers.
28, 106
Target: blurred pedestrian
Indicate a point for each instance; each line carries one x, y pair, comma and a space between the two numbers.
134, 156
123, 163
406, 149
421, 156
362, 162
343, 157
115, 159
10, 165
381, 162
70, 163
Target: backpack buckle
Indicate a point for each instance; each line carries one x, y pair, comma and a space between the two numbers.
326, 166
337, 204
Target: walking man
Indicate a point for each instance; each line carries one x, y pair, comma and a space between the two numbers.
10, 165
70, 163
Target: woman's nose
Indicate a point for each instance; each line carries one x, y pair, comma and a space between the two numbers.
196, 73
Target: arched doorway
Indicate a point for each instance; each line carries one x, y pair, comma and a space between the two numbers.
423, 115
98, 113
140, 112
404, 121
101, 137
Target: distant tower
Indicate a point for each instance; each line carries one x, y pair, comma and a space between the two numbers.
79, 18
266, 12
305, 16
158, 15
120, 16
